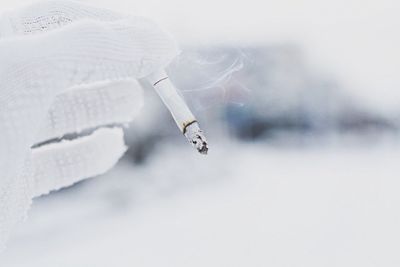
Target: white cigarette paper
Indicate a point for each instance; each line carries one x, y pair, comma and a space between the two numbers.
181, 113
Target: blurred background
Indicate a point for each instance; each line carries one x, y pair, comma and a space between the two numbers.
300, 101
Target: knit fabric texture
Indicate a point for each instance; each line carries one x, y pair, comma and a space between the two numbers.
66, 67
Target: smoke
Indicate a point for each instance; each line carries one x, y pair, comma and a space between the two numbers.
207, 77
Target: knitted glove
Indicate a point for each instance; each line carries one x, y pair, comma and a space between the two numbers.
66, 68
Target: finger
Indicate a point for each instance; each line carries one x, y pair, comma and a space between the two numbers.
87, 107
59, 165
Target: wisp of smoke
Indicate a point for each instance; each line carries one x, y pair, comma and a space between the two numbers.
208, 76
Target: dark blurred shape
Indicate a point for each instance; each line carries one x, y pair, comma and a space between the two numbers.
270, 88
254, 93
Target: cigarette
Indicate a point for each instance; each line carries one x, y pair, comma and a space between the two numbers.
184, 118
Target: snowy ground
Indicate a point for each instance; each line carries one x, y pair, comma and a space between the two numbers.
257, 205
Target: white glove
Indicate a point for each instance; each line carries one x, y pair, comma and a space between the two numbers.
67, 67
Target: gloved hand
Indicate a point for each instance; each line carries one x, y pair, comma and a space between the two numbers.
65, 68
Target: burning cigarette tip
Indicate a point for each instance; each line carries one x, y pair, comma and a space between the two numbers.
196, 137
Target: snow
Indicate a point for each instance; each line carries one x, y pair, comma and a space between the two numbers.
248, 205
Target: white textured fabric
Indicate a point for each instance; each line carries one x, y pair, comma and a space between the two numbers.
62, 164
51, 54
87, 106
